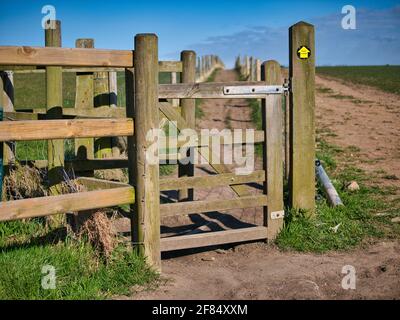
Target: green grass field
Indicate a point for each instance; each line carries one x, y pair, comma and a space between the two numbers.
386, 78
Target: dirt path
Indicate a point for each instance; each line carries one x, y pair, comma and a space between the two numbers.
368, 120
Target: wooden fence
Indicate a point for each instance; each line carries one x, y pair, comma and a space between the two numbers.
147, 102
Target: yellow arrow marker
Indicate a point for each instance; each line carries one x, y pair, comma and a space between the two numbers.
304, 52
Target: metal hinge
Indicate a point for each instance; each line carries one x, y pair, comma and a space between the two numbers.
256, 90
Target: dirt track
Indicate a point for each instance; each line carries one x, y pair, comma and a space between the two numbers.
368, 120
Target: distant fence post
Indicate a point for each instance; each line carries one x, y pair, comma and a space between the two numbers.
273, 161
258, 70
54, 102
146, 227
188, 59
302, 123
84, 147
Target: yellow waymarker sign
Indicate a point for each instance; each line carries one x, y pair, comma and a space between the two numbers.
304, 52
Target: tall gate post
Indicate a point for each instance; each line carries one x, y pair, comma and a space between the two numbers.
54, 101
273, 161
302, 123
188, 59
145, 177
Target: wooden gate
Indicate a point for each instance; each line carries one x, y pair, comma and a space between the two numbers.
146, 103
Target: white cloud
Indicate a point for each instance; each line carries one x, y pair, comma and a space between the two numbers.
375, 41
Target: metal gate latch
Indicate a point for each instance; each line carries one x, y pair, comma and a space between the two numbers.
256, 90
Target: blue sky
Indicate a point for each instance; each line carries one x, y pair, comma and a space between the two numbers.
226, 28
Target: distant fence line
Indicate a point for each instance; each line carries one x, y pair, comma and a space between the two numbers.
249, 68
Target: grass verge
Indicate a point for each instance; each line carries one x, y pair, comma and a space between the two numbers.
27, 247
342, 228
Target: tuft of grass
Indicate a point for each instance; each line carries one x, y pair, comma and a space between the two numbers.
341, 96
391, 177
323, 90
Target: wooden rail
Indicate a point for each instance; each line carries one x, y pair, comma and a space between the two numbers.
63, 129
63, 57
172, 209
214, 90
217, 180
213, 238
39, 207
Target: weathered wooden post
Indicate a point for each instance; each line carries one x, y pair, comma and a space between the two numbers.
84, 147
103, 145
146, 222
258, 70
188, 59
1, 143
7, 95
54, 101
174, 79
302, 123
273, 162
251, 69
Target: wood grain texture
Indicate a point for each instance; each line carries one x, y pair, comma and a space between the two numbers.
188, 59
72, 57
170, 66
54, 101
211, 181
92, 184
146, 227
273, 149
84, 147
302, 119
179, 208
64, 129
212, 90
213, 238
44, 206
7, 96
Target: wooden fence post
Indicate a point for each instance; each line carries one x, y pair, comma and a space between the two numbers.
7, 95
102, 146
1, 143
146, 227
273, 161
54, 101
84, 147
188, 59
258, 70
302, 122
175, 102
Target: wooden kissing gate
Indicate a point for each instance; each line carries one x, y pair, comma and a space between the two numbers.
146, 104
